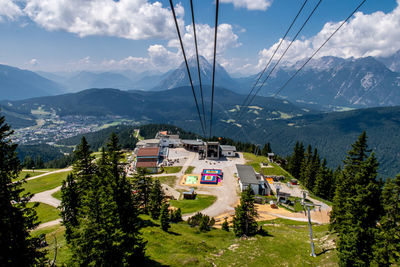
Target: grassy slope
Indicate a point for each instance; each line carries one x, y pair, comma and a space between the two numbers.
46, 213
286, 245
45, 183
168, 180
192, 205
57, 195
173, 169
189, 170
255, 162
22, 174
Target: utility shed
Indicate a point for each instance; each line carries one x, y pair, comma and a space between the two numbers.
228, 151
247, 177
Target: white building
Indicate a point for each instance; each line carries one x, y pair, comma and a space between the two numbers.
248, 177
228, 151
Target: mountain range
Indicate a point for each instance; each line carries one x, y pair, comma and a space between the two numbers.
21, 84
268, 120
328, 83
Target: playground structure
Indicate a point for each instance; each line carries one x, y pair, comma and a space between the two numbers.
207, 177
211, 176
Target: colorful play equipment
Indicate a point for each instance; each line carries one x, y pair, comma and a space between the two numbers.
212, 172
192, 179
211, 176
209, 179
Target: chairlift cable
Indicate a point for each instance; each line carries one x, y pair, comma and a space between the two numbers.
213, 77
187, 66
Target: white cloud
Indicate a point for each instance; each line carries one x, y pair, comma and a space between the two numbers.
376, 34
131, 19
250, 4
33, 62
205, 40
9, 10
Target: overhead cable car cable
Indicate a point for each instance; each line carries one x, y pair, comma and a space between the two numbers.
283, 54
198, 63
273, 55
316, 51
187, 67
213, 77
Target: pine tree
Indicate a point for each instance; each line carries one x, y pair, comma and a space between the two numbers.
345, 188
70, 205
39, 164
387, 249
28, 162
356, 206
142, 185
225, 225
244, 221
296, 160
84, 166
324, 182
164, 217
156, 198
266, 149
176, 215
18, 247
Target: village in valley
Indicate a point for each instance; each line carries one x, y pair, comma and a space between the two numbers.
200, 168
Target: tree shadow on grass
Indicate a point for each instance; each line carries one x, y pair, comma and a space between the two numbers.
148, 223
323, 251
173, 233
149, 262
263, 232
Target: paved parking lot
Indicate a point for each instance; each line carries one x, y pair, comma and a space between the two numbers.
227, 193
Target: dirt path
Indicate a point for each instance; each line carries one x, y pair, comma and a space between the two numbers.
48, 173
48, 224
46, 197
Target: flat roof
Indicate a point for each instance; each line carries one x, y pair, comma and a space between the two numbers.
246, 174
146, 164
228, 148
148, 152
193, 142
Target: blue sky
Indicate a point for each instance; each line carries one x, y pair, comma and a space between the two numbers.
55, 35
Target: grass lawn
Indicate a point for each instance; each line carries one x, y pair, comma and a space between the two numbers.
168, 180
57, 195
63, 252
255, 162
46, 213
287, 244
45, 183
22, 174
189, 170
192, 205
173, 169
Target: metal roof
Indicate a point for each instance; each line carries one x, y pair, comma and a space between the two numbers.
228, 148
148, 152
246, 174
193, 142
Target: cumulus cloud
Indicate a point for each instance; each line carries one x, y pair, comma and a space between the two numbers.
205, 40
9, 10
131, 19
376, 34
250, 4
164, 58
33, 62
